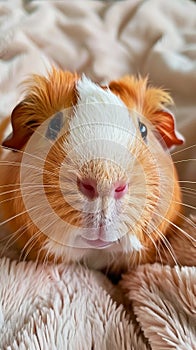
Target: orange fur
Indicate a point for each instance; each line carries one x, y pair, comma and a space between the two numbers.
46, 96
3, 126
150, 102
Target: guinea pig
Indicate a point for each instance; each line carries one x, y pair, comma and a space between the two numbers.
86, 174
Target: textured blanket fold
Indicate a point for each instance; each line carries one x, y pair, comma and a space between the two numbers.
164, 300
70, 307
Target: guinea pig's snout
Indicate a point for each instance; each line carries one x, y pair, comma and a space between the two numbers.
89, 188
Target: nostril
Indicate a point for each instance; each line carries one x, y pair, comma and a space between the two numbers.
87, 187
120, 189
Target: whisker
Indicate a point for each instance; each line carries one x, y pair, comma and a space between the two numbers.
24, 187
182, 150
188, 188
48, 252
19, 214
26, 153
46, 257
13, 237
176, 226
187, 235
185, 218
34, 239
28, 166
156, 247
186, 181
189, 222
185, 205
17, 197
166, 243
188, 193
184, 160
153, 241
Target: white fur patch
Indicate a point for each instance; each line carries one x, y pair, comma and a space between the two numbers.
101, 126
135, 243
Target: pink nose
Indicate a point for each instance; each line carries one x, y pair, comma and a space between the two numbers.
89, 188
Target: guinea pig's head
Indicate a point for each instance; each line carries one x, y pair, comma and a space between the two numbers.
94, 174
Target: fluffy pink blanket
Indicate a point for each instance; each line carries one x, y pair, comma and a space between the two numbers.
70, 307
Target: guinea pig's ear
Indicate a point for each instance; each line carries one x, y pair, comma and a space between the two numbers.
22, 129
151, 102
155, 109
165, 124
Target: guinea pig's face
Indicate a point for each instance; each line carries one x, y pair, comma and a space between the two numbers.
101, 174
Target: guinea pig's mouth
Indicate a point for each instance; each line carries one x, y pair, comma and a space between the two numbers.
98, 243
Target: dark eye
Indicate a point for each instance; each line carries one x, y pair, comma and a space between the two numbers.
143, 130
54, 126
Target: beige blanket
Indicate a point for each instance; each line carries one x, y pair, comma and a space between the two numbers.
69, 307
